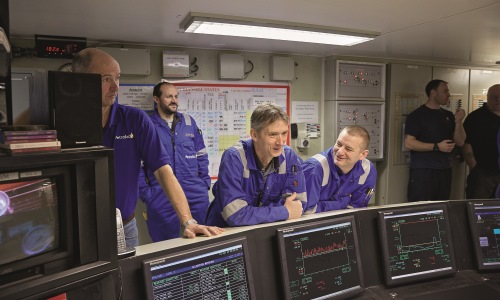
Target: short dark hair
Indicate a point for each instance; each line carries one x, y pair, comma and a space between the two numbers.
265, 114
433, 85
356, 130
157, 88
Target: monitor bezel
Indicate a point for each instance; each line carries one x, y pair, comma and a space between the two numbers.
179, 255
478, 254
389, 280
280, 232
30, 265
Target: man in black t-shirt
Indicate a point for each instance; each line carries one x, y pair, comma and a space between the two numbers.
431, 133
480, 150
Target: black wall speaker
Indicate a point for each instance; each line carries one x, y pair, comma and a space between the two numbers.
76, 108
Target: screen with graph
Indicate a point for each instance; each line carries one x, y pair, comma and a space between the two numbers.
416, 243
217, 271
320, 259
484, 221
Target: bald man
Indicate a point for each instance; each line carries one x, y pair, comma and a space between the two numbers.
132, 135
480, 149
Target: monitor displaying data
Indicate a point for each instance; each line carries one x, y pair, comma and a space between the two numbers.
484, 221
218, 271
416, 243
320, 260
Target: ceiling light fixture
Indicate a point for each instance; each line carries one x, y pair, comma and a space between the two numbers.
269, 29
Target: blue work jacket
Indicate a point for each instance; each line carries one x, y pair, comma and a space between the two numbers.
327, 190
241, 195
189, 162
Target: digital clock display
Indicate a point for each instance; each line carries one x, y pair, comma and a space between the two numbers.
58, 46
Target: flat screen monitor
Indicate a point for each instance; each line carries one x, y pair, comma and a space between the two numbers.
217, 271
416, 243
321, 260
484, 221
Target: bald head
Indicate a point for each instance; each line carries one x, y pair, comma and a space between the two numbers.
87, 60
494, 99
92, 60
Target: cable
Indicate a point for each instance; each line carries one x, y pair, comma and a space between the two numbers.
250, 71
193, 67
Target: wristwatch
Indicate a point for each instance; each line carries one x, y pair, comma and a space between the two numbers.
189, 222
436, 147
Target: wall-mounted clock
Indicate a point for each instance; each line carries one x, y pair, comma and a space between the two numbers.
65, 67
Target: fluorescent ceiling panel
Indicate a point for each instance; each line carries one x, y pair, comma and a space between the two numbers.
265, 29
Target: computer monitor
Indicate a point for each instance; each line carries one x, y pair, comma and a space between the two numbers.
484, 221
416, 243
320, 260
216, 271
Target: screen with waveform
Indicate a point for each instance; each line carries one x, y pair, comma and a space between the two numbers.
218, 271
484, 221
321, 260
416, 243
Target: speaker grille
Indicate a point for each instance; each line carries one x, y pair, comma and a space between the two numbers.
76, 108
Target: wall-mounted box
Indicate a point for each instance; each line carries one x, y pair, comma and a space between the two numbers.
132, 61
360, 81
282, 68
231, 66
175, 64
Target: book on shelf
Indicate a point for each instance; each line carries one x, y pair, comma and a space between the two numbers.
31, 145
6, 133
28, 151
12, 139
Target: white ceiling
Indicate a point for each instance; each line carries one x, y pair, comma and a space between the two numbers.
448, 31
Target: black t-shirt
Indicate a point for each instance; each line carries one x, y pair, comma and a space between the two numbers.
430, 126
481, 127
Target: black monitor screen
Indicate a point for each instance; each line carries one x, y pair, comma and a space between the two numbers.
484, 221
320, 260
28, 218
416, 243
218, 271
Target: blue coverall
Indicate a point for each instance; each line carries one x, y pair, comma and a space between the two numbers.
241, 195
187, 151
327, 190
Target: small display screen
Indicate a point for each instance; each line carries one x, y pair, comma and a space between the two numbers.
484, 221
28, 219
219, 271
416, 243
320, 260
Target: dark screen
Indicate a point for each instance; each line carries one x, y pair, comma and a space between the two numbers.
484, 220
320, 259
28, 218
220, 271
416, 243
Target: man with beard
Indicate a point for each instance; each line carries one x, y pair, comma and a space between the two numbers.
260, 179
133, 137
431, 134
183, 141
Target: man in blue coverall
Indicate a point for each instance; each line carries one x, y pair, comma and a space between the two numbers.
132, 135
341, 176
183, 141
261, 178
